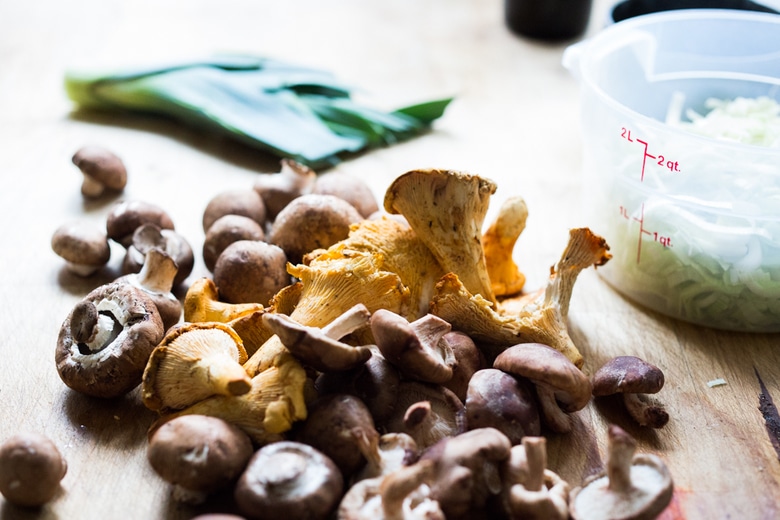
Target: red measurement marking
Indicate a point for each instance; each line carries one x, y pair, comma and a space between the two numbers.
660, 159
644, 158
664, 240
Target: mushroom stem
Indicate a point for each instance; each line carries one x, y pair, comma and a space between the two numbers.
536, 459
398, 485
621, 453
347, 323
368, 445
645, 411
555, 418
225, 375
158, 272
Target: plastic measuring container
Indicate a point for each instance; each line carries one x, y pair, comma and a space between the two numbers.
693, 222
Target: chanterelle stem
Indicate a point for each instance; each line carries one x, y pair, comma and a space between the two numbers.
621, 454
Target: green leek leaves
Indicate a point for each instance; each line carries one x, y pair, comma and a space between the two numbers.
291, 111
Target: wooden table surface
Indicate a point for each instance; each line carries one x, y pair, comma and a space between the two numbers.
514, 120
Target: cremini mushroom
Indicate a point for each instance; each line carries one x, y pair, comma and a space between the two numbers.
249, 271
312, 222
102, 170
106, 340
156, 278
426, 412
226, 230
83, 245
468, 359
634, 378
280, 188
446, 210
531, 491
151, 236
498, 400
198, 455
246, 202
31, 468
127, 216
561, 387
499, 242
202, 303
386, 453
192, 362
320, 348
416, 348
349, 187
466, 470
636, 486
289, 480
341, 427
530, 319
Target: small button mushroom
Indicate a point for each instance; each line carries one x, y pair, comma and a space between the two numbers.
83, 246
320, 348
250, 271
349, 187
632, 486
468, 359
103, 171
415, 348
279, 189
561, 387
245, 202
289, 480
193, 362
198, 455
105, 342
126, 216
312, 222
150, 236
156, 278
31, 468
634, 378
339, 425
499, 400
226, 230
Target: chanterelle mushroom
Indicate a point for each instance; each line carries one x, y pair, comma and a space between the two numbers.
499, 243
446, 210
202, 303
562, 388
193, 362
638, 487
106, 340
634, 378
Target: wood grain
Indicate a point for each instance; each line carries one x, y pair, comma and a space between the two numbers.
515, 120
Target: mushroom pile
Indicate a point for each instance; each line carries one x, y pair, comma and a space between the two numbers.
396, 369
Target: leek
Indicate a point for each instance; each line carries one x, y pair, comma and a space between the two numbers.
291, 111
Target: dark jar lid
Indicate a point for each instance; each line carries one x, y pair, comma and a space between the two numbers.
550, 20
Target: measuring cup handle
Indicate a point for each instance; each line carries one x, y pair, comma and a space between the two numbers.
571, 58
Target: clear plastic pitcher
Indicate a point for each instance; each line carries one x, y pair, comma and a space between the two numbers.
693, 222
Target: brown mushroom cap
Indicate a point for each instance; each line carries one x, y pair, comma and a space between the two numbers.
105, 355
468, 359
547, 367
279, 189
349, 187
31, 468
226, 230
83, 245
102, 169
627, 374
312, 222
246, 202
150, 236
198, 454
251, 271
289, 480
126, 216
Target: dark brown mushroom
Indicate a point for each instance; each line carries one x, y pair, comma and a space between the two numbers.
289, 480
279, 189
638, 487
106, 340
127, 216
415, 348
83, 246
468, 359
251, 271
31, 468
246, 202
226, 230
198, 455
498, 400
151, 236
634, 378
561, 387
103, 171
